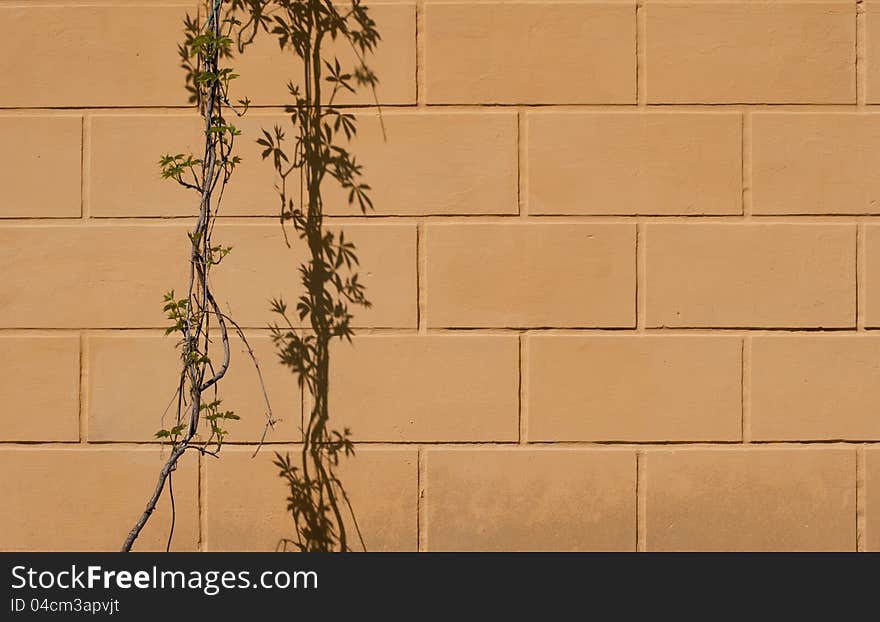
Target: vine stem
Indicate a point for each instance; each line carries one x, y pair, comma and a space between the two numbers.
198, 293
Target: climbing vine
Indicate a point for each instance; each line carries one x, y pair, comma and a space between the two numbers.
196, 317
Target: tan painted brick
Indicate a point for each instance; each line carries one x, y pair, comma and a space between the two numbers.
558, 500
814, 388
872, 275
387, 255
521, 53
634, 388
427, 387
872, 49
133, 380
95, 56
71, 276
751, 500
731, 275
124, 173
39, 382
106, 276
34, 150
87, 499
454, 163
871, 537
815, 163
762, 52
246, 499
624, 163
394, 62
532, 275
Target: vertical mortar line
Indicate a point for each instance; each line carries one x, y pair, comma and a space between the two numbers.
860, 276
746, 393
523, 435
746, 158
85, 166
641, 502
83, 387
421, 508
861, 518
421, 279
421, 100
861, 54
641, 56
203, 513
522, 162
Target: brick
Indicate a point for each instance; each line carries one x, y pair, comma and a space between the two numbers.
72, 276
133, 381
634, 388
624, 163
814, 388
815, 163
394, 62
521, 53
115, 275
872, 499
872, 275
558, 500
36, 150
751, 500
87, 499
530, 275
95, 56
39, 382
427, 388
751, 53
246, 500
436, 163
751, 276
387, 255
124, 174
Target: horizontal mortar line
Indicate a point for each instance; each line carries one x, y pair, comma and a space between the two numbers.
89, 3
629, 219
452, 219
672, 330
512, 217
412, 330
416, 109
263, 331
634, 445
656, 107
721, 332
280, 443
732, 105
755, 105
703, 443
178, 108
246, 327
818, 441
754, 329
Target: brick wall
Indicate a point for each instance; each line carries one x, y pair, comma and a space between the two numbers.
624, 266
